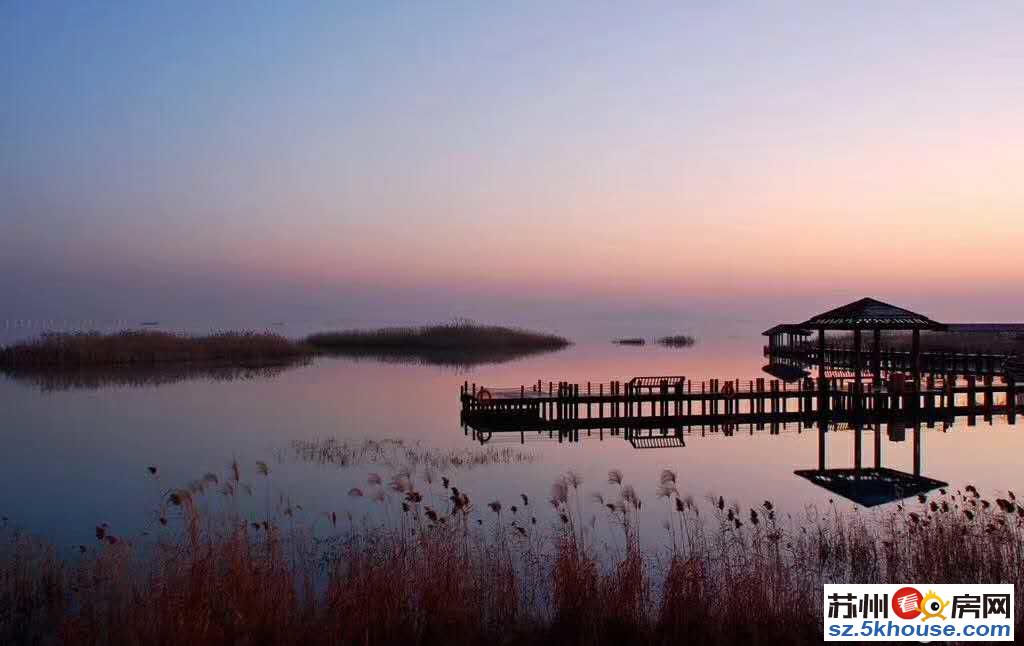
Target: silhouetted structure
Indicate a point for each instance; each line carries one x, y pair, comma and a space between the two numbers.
877, 484
786, 335
874, 316
788, 350
674, 403
785, 352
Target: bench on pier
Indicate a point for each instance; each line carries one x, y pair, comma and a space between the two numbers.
650, 384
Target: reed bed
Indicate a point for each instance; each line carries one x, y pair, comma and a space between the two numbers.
460, 343
396, 453
460, 335
677, 341
430, 565
150, 347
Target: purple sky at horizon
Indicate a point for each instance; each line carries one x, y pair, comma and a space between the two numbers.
521, 162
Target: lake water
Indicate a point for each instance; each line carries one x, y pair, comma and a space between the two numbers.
73, 458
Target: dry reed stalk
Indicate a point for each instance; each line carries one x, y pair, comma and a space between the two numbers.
431, 567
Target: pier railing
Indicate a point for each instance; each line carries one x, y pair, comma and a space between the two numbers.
890, 359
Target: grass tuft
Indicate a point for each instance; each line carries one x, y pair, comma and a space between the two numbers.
633, 340
677, 341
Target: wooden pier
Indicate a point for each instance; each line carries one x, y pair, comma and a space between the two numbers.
660, 405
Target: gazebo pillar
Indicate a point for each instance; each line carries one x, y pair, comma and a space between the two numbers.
857, 368
915, 365
822, 461
876, 357
876, 365
822, 388
878, 445
917, 448
858, 431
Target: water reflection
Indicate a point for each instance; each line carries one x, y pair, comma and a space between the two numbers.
56, 379
399, 454
77, 457
49, 379
869, 486
864, 485
458, 360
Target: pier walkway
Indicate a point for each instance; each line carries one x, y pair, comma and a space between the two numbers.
661, 404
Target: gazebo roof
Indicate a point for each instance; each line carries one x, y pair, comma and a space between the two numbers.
789, 328
870, 487
870, 314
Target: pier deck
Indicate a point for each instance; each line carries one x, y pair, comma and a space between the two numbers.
676, 403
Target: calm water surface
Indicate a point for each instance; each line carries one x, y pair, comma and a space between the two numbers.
74, 458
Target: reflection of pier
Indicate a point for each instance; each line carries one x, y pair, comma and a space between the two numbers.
867, 482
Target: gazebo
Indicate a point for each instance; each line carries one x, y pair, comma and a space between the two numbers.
783, 351
785, 335
869, 314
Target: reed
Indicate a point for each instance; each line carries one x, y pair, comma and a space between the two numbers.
69, 350
397, 453
677, 341
430, 566
459, 343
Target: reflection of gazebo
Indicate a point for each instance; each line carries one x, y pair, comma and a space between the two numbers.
870, 486
658, 441
869, 314
785, 372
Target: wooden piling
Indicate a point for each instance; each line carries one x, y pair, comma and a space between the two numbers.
1011, 399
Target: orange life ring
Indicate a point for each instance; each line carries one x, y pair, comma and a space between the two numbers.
484, 394
727, 390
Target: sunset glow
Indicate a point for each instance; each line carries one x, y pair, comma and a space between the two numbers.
345, 157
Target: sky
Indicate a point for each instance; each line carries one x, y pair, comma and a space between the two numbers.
520, 160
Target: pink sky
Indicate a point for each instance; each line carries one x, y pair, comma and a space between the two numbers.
438, 162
